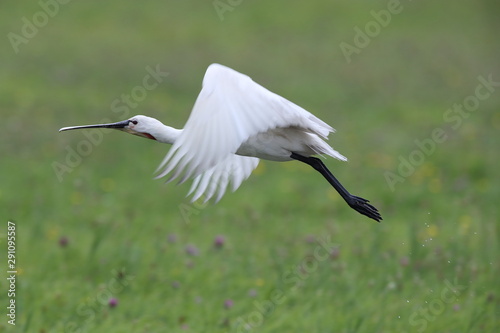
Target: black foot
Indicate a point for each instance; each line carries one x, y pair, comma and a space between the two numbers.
358, 204
363, 207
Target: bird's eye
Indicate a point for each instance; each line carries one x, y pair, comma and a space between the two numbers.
134, 122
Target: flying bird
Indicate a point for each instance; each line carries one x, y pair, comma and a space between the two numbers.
234, 123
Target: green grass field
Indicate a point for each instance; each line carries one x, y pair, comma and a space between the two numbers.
103, 247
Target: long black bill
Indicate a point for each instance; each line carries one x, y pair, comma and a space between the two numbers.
118, 125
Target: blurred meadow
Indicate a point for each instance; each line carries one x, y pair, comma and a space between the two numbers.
413, 89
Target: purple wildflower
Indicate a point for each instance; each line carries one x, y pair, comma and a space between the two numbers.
219, 242
63, 241
404, 261
252, 293
228, 303
335, 253
113, 302
192, 250
172, 238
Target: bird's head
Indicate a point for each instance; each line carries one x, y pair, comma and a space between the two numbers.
146, 127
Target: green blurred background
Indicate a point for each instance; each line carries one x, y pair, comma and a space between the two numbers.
103, 247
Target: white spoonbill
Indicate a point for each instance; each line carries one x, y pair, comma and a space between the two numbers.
234, 123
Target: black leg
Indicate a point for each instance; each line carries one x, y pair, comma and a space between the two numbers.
359, 204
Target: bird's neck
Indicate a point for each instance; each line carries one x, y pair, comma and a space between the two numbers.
167, 134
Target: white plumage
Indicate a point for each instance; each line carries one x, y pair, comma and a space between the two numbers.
235, 115
234, 123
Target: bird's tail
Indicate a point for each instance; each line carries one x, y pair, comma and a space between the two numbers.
322, 148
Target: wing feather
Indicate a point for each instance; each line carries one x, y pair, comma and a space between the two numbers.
234, 169
229, 110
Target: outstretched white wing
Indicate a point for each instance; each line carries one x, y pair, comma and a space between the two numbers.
230, 109
233, 169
